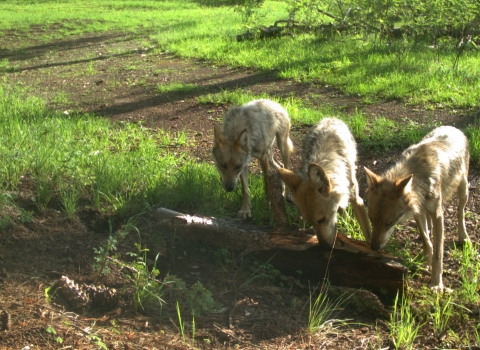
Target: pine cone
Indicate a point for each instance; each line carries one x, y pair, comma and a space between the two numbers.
83, 296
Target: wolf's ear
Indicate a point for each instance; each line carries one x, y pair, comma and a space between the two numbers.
291, 180
242, 140
403, 186
319, 179
218, 137
372, 179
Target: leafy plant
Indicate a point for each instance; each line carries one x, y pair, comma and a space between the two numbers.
53, 332
147, 290
264, 271
200, 299
223, 257
104, 253
26, 216
48, 297
249, 11
97, 341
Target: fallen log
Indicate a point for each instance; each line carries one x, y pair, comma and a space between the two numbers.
350, 263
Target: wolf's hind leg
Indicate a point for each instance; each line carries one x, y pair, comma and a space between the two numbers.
462, 201
285, 146
272, 161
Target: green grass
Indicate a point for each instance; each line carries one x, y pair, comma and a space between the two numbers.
441, 314
101, 159
469, 271
125, 169
403, 325
473, 133
324, 310
120, 168
178, 87
371, 68
348, 224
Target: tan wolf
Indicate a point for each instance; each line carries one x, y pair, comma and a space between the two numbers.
250, 131
419, 184
327, 179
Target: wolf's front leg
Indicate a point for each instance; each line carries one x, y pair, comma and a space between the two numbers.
424, 228
361, 214
245, 212
436, 282
264, 166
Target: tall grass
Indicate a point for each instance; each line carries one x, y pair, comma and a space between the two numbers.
403, 325
324, 308
100, 158
125, 168
106, 158
469, 270
120, 168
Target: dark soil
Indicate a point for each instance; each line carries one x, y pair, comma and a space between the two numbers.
112, 75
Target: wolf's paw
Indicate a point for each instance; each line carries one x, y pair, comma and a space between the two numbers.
244, 213
440, 289
427, 263
436, 289
287, 194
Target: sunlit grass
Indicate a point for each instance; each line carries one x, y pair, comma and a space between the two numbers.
404, 327
178, 87
55, 150
370, 68
324, 310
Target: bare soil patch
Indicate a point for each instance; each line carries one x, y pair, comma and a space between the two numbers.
112, 75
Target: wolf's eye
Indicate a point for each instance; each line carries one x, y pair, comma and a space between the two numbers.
391, 223
238, 167
321, 221
224, 166
394, 221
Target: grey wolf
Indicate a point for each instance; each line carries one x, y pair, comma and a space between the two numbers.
250, 131
418, 185
326, 181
